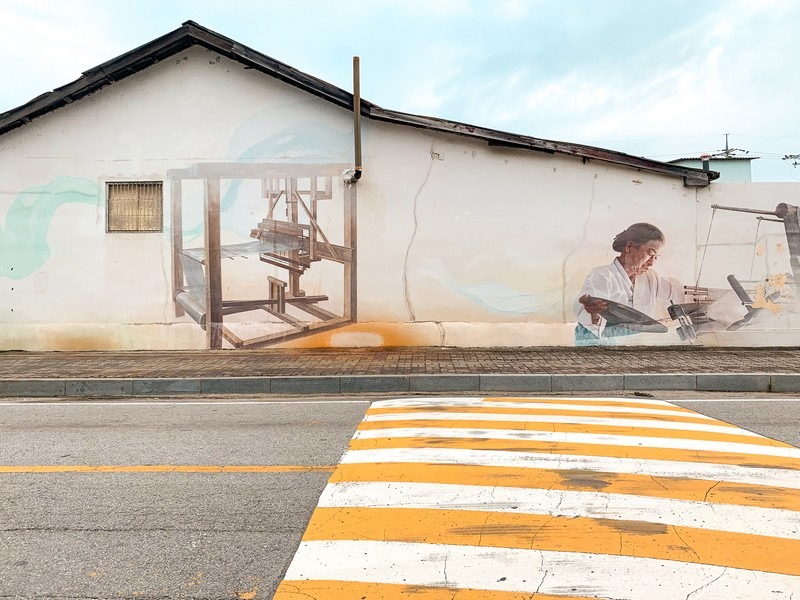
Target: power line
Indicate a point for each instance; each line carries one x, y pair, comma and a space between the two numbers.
768, 137
693, 137
794, 158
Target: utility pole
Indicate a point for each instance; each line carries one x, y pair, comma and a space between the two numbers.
728, 152
795, 158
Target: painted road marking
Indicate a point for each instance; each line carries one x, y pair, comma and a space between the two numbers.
620, 408
417, 566
707, 442
166, 468
566, 503
559, 420
612, 465
497, 441
547, 429
513, 498
470, 472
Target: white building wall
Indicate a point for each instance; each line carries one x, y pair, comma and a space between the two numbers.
483, 245
76, 286
459, 243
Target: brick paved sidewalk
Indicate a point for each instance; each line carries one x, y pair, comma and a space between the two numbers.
396, 361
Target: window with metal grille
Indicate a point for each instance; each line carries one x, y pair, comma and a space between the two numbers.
135, 206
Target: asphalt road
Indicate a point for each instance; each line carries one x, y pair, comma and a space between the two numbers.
777, 419
207, 531
152, 534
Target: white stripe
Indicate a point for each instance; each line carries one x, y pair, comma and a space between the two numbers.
620, 410
545, 572
577, 420
594, 505
711, 472
534, 399
579, 438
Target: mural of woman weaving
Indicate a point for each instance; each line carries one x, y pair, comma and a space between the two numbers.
626, 296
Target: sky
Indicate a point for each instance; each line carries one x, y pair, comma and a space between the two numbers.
664, 79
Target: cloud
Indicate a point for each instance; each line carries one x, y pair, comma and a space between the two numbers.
592, 73
52, 42
425, 99
446, 8
667, 84
511, 10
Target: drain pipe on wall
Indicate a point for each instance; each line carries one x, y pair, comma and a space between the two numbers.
353, 175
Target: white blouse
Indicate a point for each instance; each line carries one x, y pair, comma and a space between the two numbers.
650, 294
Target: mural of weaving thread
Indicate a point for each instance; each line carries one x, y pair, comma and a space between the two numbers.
520, 498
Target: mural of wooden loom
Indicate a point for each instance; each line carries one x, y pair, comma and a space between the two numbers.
291, 246
694, 318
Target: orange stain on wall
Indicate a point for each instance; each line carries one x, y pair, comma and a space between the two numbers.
381, 335
77, 342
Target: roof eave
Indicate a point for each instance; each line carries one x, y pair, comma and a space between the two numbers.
691, 176
95, 78
189, 34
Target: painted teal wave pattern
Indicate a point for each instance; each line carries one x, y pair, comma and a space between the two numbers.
23, 237
500, 298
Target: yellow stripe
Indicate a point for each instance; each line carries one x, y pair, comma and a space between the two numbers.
574, 448
560, 534
501, 410
710, 436
165, 469
609, 402
349, 590
697, 490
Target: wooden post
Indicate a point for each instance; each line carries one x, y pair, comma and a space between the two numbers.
350, 309
791, 223
277, 292
176, 228
293, 217
213, 265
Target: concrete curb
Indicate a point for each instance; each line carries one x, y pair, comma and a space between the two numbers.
400, 384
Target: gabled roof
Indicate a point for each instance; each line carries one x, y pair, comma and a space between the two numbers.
191, 34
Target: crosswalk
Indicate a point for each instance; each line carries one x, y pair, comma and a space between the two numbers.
552, 498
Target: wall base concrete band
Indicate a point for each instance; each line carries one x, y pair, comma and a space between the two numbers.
398, 384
